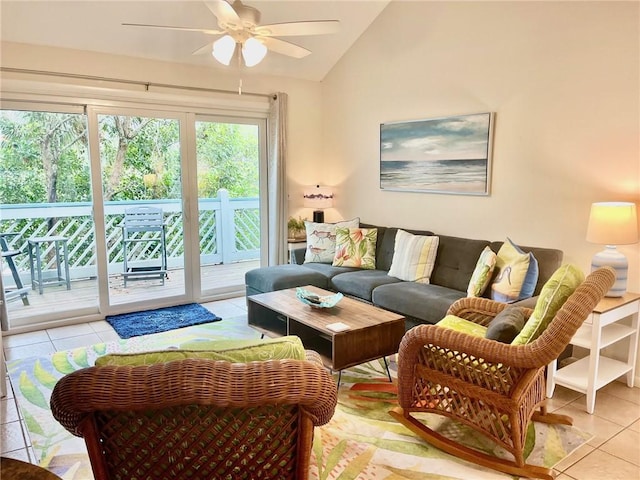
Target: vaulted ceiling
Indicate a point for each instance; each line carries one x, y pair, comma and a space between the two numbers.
96, 25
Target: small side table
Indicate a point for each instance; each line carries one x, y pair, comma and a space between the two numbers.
35, 245
603, 328
294, 244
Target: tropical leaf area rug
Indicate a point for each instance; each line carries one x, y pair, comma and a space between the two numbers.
160, 320
362, 441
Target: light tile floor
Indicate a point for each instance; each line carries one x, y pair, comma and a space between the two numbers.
613, 453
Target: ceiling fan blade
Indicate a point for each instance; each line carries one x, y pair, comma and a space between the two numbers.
285, 48
313, 27
170, 27
223, 11
208, 48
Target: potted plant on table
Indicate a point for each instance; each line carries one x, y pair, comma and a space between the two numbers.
296, 228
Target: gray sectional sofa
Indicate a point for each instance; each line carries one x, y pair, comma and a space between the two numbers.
419, 303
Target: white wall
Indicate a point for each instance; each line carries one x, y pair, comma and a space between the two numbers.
304, 96
563, 79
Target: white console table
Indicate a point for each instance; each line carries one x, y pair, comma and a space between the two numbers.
613, 320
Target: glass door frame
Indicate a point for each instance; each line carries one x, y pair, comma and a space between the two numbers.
105, 306
184, 108
261, 123
46, 105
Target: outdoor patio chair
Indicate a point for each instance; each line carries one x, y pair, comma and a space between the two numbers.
489, 386
144, 244
8, 254
198, 418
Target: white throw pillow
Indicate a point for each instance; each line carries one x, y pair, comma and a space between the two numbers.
321, 240
414, 257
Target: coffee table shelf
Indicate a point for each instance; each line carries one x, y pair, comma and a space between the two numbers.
373, 332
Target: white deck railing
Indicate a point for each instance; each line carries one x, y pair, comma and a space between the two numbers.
229, 232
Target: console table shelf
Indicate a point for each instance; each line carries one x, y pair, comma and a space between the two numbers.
573, 376
610, 334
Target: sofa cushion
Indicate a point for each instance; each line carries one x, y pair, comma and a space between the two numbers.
235, 351
553, 295
321, 240
428, 303
329, 271
360, 283
456, 261
279, 277
413, 257
506, 325
356, 247
481, 275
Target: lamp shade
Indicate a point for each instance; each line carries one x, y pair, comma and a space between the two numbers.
253, 51
223, 49
318, 197
613, 223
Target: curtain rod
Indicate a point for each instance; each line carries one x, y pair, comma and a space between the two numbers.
146, 85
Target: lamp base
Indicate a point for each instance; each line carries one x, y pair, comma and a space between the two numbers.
611, 257
318, 216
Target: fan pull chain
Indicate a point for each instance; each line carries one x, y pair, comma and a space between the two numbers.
239, 53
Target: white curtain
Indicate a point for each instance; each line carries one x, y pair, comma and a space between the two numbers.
277, 180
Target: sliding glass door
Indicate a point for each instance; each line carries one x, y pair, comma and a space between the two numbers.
47, 237
228, 154
140, 172
115, 209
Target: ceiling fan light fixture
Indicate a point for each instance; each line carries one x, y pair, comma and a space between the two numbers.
253, 51
223, 49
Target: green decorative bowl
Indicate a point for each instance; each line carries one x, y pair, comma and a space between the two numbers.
317, 301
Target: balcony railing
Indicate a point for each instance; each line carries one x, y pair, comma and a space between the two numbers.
229, 232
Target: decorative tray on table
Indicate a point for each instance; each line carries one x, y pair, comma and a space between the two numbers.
317, 301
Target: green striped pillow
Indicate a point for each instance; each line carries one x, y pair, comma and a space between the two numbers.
554, 293
413, 257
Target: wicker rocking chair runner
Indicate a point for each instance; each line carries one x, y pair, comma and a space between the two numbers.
198, 419
492, 387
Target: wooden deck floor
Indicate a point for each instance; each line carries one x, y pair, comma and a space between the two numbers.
84, 293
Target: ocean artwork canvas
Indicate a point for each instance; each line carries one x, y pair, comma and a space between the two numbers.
440, 155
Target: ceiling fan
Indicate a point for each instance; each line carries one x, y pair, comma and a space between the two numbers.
239, 25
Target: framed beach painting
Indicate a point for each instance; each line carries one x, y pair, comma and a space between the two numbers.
439, 155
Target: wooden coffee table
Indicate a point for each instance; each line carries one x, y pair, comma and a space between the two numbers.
372, 333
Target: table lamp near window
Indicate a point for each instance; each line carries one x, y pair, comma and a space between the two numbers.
611, 224
318, 198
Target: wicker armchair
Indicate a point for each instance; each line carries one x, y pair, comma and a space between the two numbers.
492, 387
198, 419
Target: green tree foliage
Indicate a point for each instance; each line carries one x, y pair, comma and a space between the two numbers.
44, 157
132, 147
227, 158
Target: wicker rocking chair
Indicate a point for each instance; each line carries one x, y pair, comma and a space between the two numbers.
198, 419
492, 387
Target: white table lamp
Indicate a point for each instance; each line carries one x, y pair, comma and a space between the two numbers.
611, 224
319, 198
